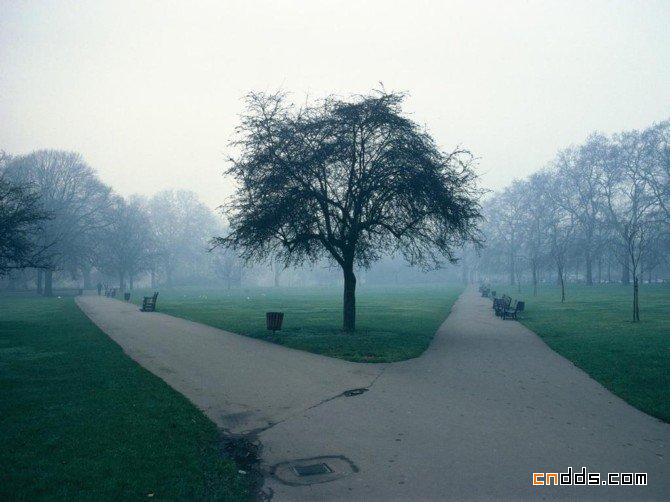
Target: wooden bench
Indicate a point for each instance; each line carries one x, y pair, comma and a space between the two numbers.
149, 303
500, 305
511, 313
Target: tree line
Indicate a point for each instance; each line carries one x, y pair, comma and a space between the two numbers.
598, 213
58, 218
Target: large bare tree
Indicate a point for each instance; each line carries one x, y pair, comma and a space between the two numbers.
350, 179
71, 193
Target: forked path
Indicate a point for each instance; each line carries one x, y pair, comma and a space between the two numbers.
485, 406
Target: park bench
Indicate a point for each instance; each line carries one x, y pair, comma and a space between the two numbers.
500, 305
149, 303
511, 313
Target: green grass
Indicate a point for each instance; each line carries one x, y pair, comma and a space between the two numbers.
80, 420
393, 323
594, 330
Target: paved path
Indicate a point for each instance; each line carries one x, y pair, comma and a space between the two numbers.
487, 404
242, 384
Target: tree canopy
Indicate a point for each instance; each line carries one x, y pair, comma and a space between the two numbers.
349, 179
20, 217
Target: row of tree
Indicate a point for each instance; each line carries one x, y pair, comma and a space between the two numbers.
598, 207
344, 181
58, 216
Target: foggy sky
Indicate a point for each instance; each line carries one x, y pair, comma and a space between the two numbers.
150, 92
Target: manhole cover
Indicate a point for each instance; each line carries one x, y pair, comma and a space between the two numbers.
314, 470
311, 470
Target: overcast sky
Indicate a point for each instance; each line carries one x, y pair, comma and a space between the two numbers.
150, 92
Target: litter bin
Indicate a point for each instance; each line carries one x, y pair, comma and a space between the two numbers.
274, 320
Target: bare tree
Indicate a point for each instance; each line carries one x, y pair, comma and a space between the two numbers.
581, 172
228, 267
630, 202
20, 218
126, 246
348, 179
71, 193
183, 227
657, 167
535, 222
561, 226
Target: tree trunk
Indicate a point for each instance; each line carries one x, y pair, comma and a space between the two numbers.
512, 272
153, 279
609, 272
600, 270
275, 272
349, 304
122, 281
562, 283
625, 275
130, 280
589, 269
86, 272
48, 282
40, 275
636, 298
534, 277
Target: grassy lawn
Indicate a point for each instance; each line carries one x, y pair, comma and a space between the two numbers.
80, 420
593, 329
393, 323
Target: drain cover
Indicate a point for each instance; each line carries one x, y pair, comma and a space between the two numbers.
311, 470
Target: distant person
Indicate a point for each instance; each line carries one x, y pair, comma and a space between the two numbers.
99, 288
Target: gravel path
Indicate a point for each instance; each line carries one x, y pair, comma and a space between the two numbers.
485, 406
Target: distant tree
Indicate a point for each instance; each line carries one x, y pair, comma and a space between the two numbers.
182, 226
657, 167
561, 227
581, 171
126, 245
348, 179
228, 267
507, 212
69, 191
630, 203
536, 217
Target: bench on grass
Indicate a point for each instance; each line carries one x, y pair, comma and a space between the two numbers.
149, 303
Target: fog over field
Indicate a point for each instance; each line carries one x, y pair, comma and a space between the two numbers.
150, 98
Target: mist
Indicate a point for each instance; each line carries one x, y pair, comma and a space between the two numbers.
150, 96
